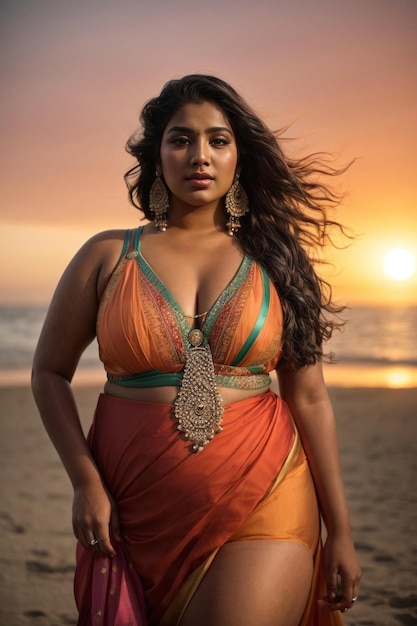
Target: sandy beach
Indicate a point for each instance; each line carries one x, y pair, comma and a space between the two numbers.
378, 436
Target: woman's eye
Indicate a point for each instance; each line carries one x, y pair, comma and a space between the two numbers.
180, 141
217, 142
220, 141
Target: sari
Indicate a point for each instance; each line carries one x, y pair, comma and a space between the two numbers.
177, 508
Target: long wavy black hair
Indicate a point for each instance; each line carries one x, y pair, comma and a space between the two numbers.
288, 199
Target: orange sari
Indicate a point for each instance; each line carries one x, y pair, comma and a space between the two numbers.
176, 508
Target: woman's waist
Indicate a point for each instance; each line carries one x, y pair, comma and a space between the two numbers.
248, 378
168, 394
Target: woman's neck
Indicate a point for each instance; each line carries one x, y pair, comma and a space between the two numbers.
202, 219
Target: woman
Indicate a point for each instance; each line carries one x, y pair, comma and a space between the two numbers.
193, 498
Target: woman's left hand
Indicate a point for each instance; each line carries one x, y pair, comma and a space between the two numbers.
342, 571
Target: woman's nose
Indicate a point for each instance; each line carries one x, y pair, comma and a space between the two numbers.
200, 154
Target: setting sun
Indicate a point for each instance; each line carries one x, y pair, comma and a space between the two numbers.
399, 264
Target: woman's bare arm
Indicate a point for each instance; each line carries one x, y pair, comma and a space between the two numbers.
306, 394
68, 329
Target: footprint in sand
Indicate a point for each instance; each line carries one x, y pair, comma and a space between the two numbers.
34, 613
406, 620
45, 568
407, 602
8, 523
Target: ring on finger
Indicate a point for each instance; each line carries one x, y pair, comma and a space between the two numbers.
94, 542
354, 599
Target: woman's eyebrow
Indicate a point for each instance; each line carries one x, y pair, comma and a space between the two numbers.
186, 129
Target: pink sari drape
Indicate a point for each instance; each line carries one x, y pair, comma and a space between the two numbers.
108, 590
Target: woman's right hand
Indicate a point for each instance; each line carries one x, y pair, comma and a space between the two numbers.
94, 514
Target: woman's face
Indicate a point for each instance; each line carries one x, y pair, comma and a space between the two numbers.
198, 155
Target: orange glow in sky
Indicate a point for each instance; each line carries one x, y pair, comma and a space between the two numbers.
76, 74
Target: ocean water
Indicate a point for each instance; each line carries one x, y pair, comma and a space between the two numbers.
378, 347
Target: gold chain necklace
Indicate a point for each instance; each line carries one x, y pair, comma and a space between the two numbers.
196, 317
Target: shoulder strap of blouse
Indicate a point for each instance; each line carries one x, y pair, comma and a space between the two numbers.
126, 243
263, 312
138, 233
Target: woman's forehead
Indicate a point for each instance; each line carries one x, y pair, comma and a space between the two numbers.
204, 115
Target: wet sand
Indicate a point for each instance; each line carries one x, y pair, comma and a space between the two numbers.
378, 437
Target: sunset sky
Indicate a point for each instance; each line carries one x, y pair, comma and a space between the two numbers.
75, 75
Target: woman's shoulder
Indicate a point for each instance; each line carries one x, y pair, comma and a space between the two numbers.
109, 238
101, 252
106, 244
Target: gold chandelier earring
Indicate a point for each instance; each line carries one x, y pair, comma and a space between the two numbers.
159, 203
237, 205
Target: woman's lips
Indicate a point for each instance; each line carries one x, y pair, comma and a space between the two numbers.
200, 181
